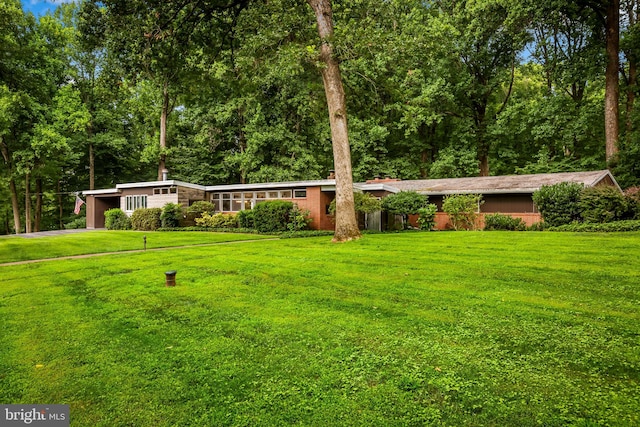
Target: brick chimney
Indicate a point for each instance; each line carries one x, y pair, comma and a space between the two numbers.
378, 180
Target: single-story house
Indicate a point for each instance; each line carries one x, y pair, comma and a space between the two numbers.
509, 195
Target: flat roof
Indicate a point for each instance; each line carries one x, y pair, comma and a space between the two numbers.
169, 183
272, 185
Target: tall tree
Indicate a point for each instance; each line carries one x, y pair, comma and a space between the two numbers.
346, 222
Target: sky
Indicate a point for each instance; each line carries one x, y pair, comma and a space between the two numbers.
41, 7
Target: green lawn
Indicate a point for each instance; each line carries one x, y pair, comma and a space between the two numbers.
19, 248
444, 328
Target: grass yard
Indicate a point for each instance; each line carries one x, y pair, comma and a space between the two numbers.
444, 328
20, 248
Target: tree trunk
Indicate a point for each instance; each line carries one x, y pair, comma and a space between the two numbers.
60, 209
38, 213
15, 206
612, 91
163, 130
633, 72
27, 203
6, 155
346, 221
481, 138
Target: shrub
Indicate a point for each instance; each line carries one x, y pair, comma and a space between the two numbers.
76, 223
364, 203
200, 207
602, 204
538, 226
462, 210
503, 222
272, 216
298, 219
404, 203
219, 220
116, 219
171, 215
632, 196
558, 203
245, 219
146, 219
427, 217
617, 226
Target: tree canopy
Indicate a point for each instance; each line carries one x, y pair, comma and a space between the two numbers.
102, 92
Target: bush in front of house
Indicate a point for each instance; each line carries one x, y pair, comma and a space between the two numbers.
245, 219
146, 219
404, 203
272, 216
559, 203
363, 203
171, 215
298, 219
200, 207
427, 217
503, 222
603, 204
462, 210
218, 220
608, 227
116, 219
632, 196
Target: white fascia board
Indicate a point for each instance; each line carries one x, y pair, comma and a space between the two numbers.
155, 184
376, 187
271, 185
101, 192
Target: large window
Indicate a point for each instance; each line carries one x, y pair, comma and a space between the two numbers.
135, 202
234, 202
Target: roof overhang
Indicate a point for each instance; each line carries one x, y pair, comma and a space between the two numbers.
324, 183
155, 184
106, 192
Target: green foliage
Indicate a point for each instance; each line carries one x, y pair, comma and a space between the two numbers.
602, 204
218, 220
272, 216
498, 221
198, 208
364, 203
171, 215
146, 219
404, 203
116, 219
245, 219
608, 227
298, 219
76, 223
427, 217
558, 203
632, 196
462, 210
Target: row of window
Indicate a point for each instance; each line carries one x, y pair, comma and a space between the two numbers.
223, 202
234, 202
165, 190
135, 202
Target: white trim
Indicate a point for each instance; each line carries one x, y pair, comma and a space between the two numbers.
270, 185
100, 192
160, 184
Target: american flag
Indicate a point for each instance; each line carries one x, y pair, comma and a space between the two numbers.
79, 203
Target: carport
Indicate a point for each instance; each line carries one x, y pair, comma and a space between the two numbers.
98, 202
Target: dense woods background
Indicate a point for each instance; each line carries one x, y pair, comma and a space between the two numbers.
230, 91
